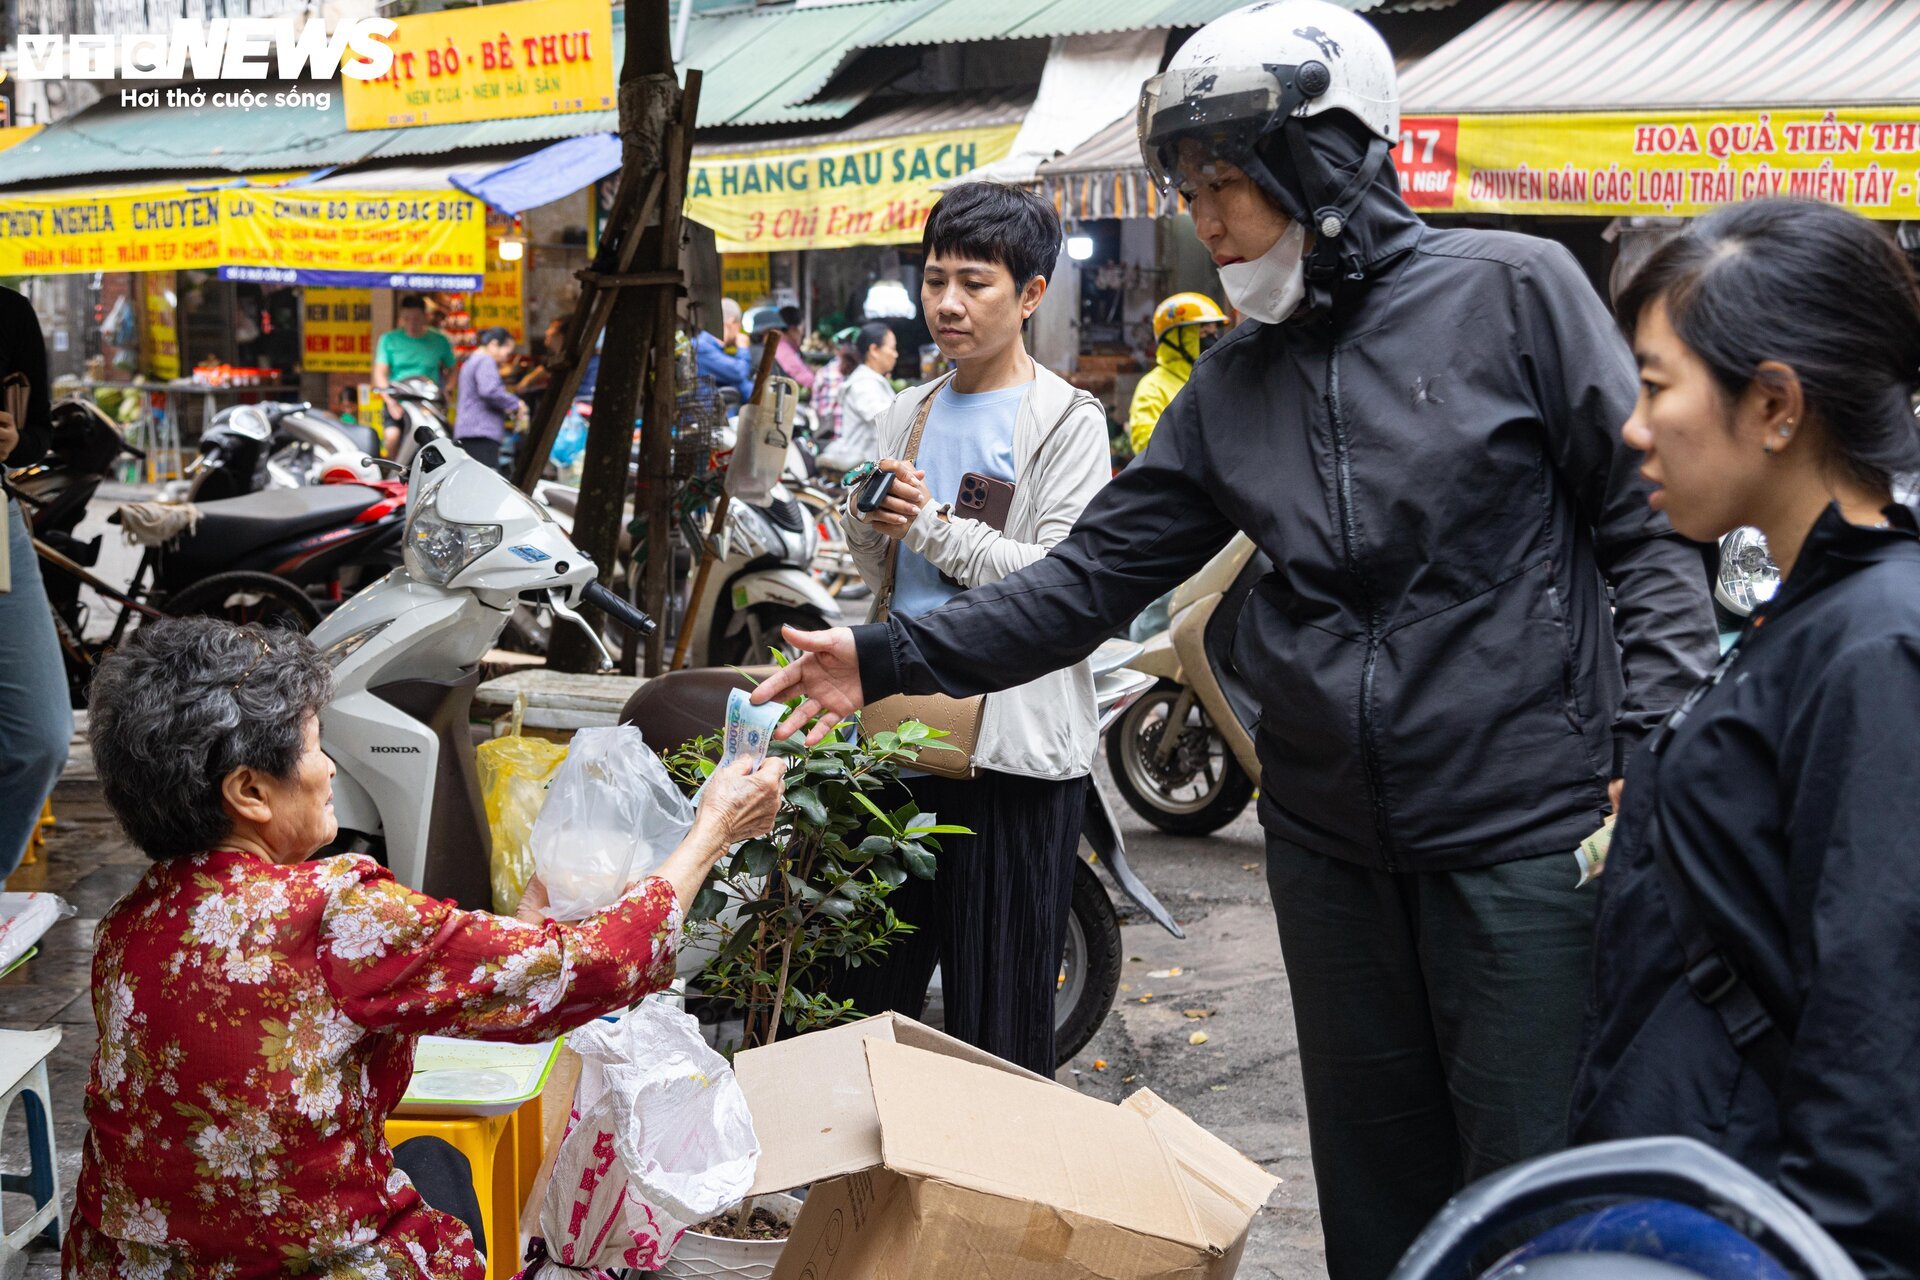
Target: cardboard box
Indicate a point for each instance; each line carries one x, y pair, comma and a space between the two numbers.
928, 1158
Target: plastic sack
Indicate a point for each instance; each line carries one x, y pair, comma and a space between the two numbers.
612, 815
764, 432
661, 1139
24, 918
570, 441
514, 772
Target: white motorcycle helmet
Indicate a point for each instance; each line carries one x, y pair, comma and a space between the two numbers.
1250, 74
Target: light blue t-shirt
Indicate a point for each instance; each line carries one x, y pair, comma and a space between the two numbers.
964, 433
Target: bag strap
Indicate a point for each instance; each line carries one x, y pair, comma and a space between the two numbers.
912, 452
1717, 984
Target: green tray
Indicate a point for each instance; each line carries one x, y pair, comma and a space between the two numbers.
31, 952
475, 1077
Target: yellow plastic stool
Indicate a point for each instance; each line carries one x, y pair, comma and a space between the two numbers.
493, 1146
37, 840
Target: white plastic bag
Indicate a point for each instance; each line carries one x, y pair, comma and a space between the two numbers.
24, 917
612, 815
662, 1140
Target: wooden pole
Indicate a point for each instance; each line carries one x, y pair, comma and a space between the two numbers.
719, 526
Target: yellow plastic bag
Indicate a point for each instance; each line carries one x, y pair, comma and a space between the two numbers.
514, 772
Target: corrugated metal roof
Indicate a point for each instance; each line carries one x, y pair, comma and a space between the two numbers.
929, 114
1115, 147
1641, 55
763, 66
956, 21
107, 138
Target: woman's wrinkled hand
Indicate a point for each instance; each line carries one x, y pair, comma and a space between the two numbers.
740, 802
533, 902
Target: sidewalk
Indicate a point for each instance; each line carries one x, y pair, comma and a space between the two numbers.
90, 864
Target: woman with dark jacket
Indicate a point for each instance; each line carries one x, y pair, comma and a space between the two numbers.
1757, 963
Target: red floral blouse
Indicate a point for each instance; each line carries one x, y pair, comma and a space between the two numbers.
257, 1025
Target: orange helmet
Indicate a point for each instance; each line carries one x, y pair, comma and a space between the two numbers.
1183, 309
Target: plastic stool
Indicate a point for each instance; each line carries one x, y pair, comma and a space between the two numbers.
23, 1075
37, 838
488, 1143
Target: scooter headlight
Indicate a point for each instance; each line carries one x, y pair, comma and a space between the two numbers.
438, 549
1748, 578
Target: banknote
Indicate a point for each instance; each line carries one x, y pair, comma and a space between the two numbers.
1592, 853
749, 729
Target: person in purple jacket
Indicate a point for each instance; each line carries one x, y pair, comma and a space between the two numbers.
485, 405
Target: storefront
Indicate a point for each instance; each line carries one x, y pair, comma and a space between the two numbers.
1617, 120
826, 223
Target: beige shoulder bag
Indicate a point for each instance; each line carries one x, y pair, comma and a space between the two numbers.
959, 718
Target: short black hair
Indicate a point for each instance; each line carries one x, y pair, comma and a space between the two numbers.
872, 334
790, 316
1851, 333
495, 334
993, 222
413, 300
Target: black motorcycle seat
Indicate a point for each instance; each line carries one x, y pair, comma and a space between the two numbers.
229, 526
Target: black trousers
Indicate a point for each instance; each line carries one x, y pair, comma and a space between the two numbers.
994, 916
482, 450
444, 1179
1439, 1018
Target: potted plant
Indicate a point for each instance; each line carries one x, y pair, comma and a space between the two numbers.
788, 907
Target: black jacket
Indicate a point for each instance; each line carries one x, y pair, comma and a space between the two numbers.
1435, 469
23, 350
1789, 800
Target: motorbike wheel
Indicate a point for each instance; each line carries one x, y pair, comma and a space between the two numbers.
1201, 787
245, 597
1090, 968
750, 645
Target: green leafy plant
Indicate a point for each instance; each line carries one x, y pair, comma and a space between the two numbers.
791, 906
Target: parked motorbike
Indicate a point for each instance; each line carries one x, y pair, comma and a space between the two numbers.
1183, 755
762, 582
420, 405
675, 708
406, 658
247, 448
1678, 1210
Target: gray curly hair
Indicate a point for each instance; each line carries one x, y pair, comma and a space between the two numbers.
184, 703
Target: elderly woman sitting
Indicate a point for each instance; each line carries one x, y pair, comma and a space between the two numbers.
258, 1011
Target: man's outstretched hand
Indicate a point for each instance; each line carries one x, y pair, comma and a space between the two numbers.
826, 675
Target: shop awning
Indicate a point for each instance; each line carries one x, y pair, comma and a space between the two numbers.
1649, 55
1611, 108
546, 174
1087, 80
1104, 178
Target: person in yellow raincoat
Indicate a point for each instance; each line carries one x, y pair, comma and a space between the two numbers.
1183, 326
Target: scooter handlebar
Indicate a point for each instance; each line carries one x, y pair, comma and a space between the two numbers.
617, 608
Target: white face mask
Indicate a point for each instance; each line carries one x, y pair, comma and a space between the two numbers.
1272, 285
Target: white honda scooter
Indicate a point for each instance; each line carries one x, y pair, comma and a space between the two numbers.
406, 658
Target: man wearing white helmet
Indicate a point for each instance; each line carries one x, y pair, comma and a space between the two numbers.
1420, 430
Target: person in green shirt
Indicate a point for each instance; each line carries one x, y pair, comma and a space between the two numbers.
412, 351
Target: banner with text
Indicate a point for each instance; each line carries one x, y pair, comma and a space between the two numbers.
381, 240
160, 335
1663, 164
385, 239
338, 330
745, 277
873, 191
501, 301
530, 58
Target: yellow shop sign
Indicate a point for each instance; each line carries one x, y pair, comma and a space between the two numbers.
1611, 164
531, 58
874, 191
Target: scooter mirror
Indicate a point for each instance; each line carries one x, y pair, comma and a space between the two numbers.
425, 435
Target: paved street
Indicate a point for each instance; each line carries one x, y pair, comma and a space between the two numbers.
1243, 1083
